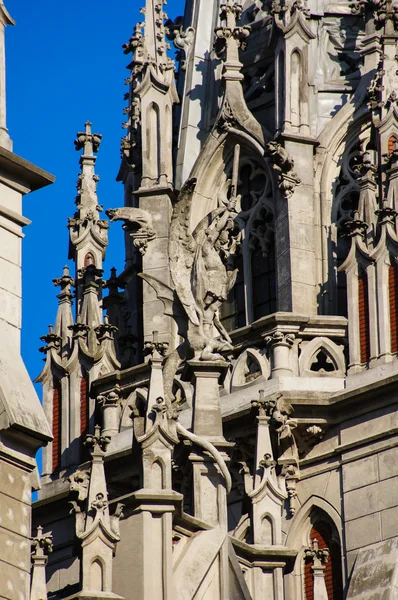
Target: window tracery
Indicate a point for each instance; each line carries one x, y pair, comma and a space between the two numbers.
254, 294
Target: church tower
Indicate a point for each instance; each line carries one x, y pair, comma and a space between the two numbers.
244, 412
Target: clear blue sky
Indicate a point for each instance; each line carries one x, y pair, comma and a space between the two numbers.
65, 65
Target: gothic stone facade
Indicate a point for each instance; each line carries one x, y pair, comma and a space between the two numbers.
224, 410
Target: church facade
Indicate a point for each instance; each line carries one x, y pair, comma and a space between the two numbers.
224, 410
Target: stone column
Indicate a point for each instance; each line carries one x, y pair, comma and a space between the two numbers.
294, 233
280, 344
110, 413
155, 262
210, 492
5, 19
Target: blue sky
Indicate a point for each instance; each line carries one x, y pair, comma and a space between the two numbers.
65, 65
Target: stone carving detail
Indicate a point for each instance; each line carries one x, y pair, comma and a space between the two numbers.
231, 12
288, 457
283, 164
137, 222
183, 39
95, 527
42, 545
316, 554
78, 484
202, 270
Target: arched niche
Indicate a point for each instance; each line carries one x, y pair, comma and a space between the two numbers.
267, 530
313, 512
321, 357
138, 399
97, 575
251, 367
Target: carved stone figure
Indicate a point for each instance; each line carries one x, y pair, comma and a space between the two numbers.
137, 222
202, 271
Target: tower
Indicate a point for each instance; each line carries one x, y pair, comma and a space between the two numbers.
80, 346
247, 402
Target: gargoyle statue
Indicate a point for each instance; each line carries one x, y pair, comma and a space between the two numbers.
202, 271
137, 222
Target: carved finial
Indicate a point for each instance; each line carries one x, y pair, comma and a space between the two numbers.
64, 283
52, 340
96, 443
315, 554
156, 348
265, 406
230, 37
90, 142
42, 544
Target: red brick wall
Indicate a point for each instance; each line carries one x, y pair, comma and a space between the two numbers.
57, 408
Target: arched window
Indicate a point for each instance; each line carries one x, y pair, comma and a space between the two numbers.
393, 297
89, 259
152, 162
57, 414
363, 315
345, 203
263, 282
392, 143
84, 406
296, 79
322, 531
254, 293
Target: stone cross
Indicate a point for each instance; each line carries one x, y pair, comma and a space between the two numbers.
89, 142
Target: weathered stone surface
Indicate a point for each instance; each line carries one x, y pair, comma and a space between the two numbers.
356, 475
364, 531
374, 574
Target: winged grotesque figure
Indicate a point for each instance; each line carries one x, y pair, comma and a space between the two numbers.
202, 270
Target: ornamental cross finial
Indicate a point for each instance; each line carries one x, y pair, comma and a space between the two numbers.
319, 556
42, 544
97, 443
88, 141
156, 348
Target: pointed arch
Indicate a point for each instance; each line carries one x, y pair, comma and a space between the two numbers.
84, 404
251, 367
393, 302
267, 529
56, 425
334, 357
153, 160
97, 569
316, 518
295, 85
363, 316
89, 259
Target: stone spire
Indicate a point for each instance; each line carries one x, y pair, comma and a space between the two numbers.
64, 319
147, 145
95, 527
5, 19
88, 233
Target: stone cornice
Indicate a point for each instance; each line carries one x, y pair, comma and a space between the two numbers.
22, 172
